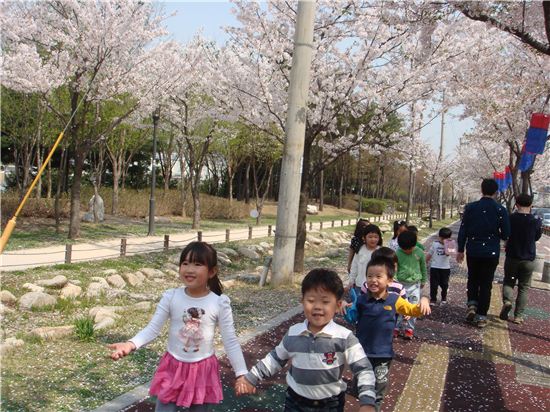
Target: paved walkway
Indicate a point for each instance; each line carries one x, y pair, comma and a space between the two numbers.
449, 366
111, 248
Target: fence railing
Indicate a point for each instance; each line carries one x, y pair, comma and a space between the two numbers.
131, 246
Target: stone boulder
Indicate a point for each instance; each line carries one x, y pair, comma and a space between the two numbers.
229, 252
313, 240
173, 267
7, 298
99, 206
103, 314
95, 289
33, 288
36, 300
152, 273
56, 282
70, 291
100, 280
10, 344
332, 253
53, 332
132, 279
108, 272
141, 306
116, 281
5, 309
312, 210
104, 324
224, 260
111, 309
141, 277
266, 245
249, 278
248, 253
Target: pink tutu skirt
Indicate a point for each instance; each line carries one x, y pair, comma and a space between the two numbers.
187, 384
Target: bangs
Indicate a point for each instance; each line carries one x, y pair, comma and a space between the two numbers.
199, 252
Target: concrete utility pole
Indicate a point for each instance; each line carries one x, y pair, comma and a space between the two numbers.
289, 186
440, 159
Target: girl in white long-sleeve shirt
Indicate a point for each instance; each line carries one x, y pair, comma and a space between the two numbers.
372, 240
188, 374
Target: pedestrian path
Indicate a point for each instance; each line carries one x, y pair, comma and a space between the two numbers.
449, 366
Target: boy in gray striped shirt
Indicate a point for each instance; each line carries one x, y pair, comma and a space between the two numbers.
318, 350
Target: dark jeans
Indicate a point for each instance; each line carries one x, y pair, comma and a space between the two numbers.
381, 368
519, 271
297, 403
439, 278
481, 272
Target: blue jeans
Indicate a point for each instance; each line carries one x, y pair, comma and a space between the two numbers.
413, 296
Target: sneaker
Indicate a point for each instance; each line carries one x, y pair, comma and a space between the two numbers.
409, 334
518, 320
471, 314
505, 310
395, 333
443, 302
481, 323
433, 302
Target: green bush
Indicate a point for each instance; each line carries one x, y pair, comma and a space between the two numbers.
376, 206
84, 329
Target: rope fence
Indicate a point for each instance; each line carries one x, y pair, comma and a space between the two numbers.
165, 244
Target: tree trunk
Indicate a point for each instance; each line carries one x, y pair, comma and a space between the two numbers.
116, 179
196, 207
74, 222
301, 227
95, 201
183, 188
38, 192
410, 194
321, 190
60, 178
49, 180
341, 188
247, 184
230, 174
431, 206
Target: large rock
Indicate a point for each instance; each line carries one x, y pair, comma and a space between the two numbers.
104, 324
141, 306
57, 282
265, 245
33, 288
70, 291
313, 240
108, 272
332, 253
248, 253
224, 260
152, 273
53, 332
312, 210
5, 309
249, 278
116, 281
101, 280
132, 279
104, 314
95, 289
111, 309
172, 273
36, 300
229, 252
96, 202
7, 298
141, 277
10, 344
173, 267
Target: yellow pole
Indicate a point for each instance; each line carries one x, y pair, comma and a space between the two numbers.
11, 224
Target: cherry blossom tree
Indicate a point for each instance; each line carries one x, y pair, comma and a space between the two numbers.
97, 50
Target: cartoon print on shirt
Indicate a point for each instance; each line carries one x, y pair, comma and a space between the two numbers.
191, 333
329, 357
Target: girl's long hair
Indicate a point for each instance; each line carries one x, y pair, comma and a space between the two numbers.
361, 223
202, 252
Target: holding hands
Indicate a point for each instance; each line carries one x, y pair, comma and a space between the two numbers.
121, 349
243, 387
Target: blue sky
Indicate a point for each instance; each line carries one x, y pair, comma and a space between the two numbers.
210, 16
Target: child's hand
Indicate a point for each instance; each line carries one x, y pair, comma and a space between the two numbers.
406, 317
344, 307
243, 387
425, 306
121, 349
367, 408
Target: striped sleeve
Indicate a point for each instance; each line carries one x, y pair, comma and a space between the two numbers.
361, 369
405, 308
270, 365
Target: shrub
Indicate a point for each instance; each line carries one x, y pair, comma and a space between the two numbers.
84, 329
36, 208
376, 206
